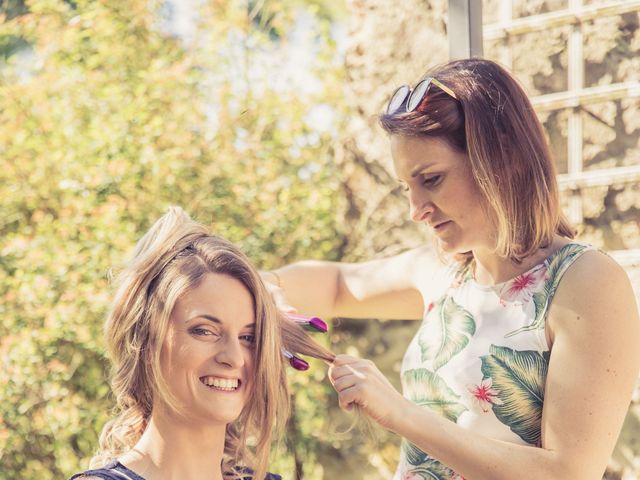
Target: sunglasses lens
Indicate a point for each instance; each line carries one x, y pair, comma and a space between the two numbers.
418, 94
397, 99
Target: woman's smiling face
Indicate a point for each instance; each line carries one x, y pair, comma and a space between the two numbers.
207, 355
443, 193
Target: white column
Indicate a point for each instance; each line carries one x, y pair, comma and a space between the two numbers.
575, 84
465, 29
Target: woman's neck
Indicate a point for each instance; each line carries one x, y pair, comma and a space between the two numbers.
492, 269
173, 448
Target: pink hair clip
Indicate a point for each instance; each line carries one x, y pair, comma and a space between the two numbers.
295, 362
313, 324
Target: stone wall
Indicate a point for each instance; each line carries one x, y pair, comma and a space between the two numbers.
391, 43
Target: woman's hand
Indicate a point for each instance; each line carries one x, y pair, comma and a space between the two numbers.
359, 382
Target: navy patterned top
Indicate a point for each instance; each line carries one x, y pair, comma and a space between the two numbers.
116, 471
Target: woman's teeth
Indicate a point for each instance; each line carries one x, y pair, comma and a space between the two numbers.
226, 384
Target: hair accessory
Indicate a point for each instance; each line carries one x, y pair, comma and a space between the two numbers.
414, 96
313, 324
295, 362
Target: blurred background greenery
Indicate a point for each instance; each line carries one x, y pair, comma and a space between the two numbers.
258, 118
110, 114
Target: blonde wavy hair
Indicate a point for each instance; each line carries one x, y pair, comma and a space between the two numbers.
169, 260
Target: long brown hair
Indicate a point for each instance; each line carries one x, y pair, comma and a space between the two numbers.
172, 258
493, 122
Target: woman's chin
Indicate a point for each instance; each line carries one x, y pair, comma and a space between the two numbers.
449, 247
214, 419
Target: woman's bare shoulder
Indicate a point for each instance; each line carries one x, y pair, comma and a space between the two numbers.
597, 289
595, 271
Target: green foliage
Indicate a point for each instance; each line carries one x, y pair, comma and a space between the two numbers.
518, 376
426, 468
114, 120
446, 332
427, 389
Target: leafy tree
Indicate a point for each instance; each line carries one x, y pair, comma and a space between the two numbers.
114, 119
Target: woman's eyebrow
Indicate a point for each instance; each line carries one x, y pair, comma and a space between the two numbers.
416, 171
217, 321
211, 318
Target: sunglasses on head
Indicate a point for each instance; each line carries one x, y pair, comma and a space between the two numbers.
416, 95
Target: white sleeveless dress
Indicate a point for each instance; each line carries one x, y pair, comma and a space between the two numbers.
480, 358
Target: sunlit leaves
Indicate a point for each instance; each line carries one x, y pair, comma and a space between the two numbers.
109, 122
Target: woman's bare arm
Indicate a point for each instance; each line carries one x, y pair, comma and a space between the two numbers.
592, 371
388, 288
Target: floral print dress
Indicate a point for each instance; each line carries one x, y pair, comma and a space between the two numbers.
480, 358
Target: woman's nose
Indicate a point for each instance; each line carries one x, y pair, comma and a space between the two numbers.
231, 353
420, 207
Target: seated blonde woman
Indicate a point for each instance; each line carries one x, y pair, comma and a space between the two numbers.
197, 350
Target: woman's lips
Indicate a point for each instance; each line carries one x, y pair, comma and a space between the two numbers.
223, 384
440, 226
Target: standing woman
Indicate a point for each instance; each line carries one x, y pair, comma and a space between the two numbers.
527, 354
197, 350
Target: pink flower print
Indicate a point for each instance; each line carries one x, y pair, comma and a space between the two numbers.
484, 395
522, 288
430, 307
411, 475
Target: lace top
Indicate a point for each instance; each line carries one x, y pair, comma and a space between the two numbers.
480, 358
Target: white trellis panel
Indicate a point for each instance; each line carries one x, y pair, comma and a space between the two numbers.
576, 96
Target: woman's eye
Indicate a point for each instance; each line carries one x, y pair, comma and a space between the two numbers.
202, 332
248, 338
430, 181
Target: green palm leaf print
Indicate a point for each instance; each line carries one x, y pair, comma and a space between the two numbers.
413, 454
445, 332
541, 298
519, 376
429, 390
558, 262
429, 468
